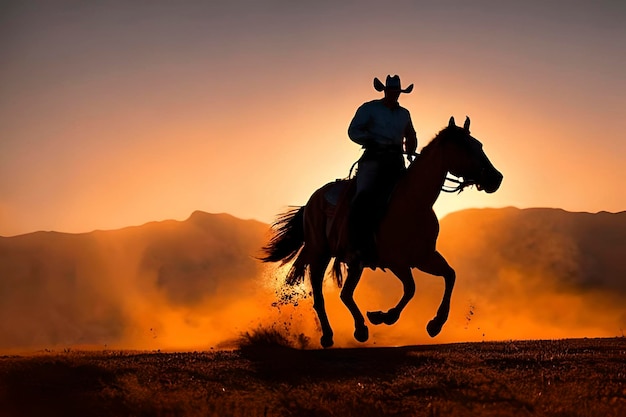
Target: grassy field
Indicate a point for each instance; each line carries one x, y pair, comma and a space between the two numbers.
574, 377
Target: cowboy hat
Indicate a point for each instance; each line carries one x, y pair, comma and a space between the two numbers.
392, 83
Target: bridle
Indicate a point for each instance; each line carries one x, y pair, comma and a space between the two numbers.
459, 181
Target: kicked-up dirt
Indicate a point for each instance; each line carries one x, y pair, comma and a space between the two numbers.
573, 377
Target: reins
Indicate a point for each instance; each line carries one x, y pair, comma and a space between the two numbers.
460, 184
352, 168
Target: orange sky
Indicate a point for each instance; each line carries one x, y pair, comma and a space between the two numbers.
116, 114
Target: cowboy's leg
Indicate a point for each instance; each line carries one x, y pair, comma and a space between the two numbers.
366, 175
390, 168
361, 221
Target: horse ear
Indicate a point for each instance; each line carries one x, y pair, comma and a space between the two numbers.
451, 122
467, 123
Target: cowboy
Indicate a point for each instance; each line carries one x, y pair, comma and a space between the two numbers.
384, 129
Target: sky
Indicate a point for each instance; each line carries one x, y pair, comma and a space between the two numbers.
116, 113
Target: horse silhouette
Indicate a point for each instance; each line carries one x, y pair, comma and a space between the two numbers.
406, 238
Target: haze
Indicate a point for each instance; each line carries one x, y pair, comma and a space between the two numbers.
521, 274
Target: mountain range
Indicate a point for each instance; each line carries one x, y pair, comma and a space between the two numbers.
521, 273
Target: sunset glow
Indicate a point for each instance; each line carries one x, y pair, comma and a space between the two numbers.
115, 114
119, 115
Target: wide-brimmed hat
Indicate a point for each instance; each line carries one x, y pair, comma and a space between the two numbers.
392, 83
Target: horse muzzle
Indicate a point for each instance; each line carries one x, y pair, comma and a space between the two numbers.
490, 182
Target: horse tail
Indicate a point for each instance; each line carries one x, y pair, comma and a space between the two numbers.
287, 243
288, 237
297, 272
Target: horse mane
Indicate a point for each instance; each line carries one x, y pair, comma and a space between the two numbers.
442, 135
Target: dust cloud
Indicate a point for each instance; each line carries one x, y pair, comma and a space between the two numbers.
163, 285
521, 274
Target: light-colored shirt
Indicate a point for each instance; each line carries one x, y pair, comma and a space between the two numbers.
375, 123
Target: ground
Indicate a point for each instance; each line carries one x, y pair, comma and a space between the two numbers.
574, 377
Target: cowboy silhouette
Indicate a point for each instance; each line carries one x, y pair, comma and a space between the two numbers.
385, 131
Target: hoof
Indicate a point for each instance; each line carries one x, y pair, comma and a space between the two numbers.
326, 341
376, 317
433, 328
391, 317
362, 334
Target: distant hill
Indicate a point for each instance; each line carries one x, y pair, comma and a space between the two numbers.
537, 273
173, 280
59, 288
578, 250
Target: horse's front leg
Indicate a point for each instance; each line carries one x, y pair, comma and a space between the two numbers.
392, 316
361, 332
435, 264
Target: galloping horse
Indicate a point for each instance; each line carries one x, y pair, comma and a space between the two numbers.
406, 237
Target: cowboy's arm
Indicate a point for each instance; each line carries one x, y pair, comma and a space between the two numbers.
410, 138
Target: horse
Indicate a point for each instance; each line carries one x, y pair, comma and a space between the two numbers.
405, 238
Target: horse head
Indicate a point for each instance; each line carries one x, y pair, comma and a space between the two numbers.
466, 159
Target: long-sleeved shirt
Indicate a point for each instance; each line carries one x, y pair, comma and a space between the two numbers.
376, 124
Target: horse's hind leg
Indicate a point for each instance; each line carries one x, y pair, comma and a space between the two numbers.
392, 316
347, 296
435, 264
317, 270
